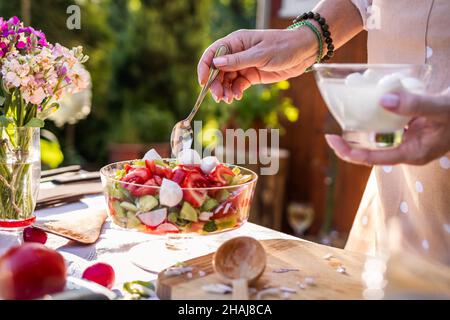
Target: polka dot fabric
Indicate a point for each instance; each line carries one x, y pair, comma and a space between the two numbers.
418, 197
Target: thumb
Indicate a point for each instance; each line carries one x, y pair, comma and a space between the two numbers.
238, 61
410, 104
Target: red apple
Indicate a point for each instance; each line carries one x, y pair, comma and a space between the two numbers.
31, 271
101, 273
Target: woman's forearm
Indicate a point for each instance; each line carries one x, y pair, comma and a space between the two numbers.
343, 19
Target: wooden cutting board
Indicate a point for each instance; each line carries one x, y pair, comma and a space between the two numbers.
309, 258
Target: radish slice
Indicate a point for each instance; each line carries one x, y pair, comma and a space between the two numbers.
167, 227
189, 156
153, 218
208, 164
205, 216
152, 155
170, 193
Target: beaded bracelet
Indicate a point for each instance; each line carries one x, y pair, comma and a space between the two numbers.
325, 31
318, 35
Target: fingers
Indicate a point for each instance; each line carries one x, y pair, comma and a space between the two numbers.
217, 89
239, 86
252, 57
228, 79
409, 104
402, 154
205, 63
237, 42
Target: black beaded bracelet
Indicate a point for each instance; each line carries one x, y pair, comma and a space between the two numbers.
325, 31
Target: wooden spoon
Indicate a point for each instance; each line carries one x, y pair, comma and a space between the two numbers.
242, 261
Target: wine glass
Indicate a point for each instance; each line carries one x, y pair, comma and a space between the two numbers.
300, 217
179, 230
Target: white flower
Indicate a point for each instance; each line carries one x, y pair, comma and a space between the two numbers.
12, 80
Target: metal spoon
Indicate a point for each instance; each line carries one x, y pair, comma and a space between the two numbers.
242, 261
182, 134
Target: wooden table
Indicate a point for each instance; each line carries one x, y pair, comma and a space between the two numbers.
114, 246
297, 269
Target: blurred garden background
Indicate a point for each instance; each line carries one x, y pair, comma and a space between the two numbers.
143, 60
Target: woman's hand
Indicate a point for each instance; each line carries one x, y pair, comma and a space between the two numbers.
258, 56
426, 138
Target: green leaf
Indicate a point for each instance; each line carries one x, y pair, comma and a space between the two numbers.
35, 123
5, 121
2, 100
210, 226
140, 288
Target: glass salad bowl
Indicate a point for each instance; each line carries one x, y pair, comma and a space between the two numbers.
162, 197
352, 93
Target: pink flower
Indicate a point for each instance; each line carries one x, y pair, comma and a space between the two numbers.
43, 42
14, 21
21, 45
38, 96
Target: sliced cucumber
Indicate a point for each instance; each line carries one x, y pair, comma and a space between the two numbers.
209, 204
161, 163
139, 163
133, 221
173, 217
226, 223
128, 206
125, 194
147, 203
236, 170
182, 223
119, 174
119, 211
222, 195
240, 179
188, 212
113, 191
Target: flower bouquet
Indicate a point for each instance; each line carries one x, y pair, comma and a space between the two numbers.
34, 75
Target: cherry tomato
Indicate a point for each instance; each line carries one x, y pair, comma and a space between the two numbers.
138, 175
127, 168
163, 172
31, 234
221, 175
190, 168
101, 273
158, 180
150, 164
179, 175
148, 188
195, 180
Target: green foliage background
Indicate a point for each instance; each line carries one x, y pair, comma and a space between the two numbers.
143, 59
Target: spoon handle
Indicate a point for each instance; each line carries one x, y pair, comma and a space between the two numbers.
240, 289
213, 72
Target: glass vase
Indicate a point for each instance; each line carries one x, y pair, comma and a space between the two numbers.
20, 171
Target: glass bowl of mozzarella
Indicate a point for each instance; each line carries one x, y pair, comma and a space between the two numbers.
352, 93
